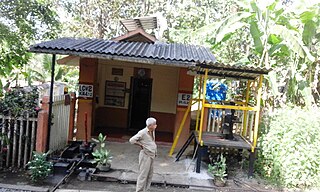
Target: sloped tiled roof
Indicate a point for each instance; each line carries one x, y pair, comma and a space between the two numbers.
174, 53
196, 58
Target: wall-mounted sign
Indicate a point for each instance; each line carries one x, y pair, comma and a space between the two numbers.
85, 90
115, 93
117, 71
183, 99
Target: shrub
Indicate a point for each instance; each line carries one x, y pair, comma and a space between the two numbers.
219, 168
290, 145
39, 166
19, 101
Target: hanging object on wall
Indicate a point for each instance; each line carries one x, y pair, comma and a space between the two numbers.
115, 93
117, 71
86, 90
142, 73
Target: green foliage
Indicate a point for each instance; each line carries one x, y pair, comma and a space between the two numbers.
274, 34
19, 101
22, 22
39, 71
290, 147
219, 168
39, 166
100, 18
101, 155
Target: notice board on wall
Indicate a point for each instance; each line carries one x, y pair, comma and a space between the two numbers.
86, 90
115, 93
184, 99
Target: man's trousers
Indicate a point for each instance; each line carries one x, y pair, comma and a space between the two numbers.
145, 172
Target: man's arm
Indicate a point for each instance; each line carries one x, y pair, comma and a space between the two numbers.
135, 139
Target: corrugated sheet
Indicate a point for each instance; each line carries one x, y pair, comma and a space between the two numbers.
229, 71
162, 51
196, 58
140, 22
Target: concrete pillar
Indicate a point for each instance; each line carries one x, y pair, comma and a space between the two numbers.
88, 75
185, 85
42, 128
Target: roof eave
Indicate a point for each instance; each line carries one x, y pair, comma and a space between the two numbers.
244, 69
150, 61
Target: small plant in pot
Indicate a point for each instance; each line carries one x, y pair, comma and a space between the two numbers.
101, 155
39, 167
219, 171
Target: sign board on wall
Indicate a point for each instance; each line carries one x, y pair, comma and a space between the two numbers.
115, 93
183, 99
85, 90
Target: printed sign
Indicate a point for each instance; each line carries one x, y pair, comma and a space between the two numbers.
85, 90
183, 99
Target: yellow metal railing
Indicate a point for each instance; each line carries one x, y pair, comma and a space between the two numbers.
257, 117
202, 106
241, 106
191, 102
244, 130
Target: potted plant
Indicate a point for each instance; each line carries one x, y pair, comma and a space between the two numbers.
101, 155
219, 171
39, 166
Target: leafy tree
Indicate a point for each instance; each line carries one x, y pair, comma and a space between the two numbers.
39, 71
101, 18
276, 41
23, 22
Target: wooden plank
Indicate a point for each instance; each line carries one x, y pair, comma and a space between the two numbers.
2, 141
20, 143
216, 140
8, 144
33, 138
14, 147
26, 146
209, 120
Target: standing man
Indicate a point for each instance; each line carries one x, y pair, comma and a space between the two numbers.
145, 138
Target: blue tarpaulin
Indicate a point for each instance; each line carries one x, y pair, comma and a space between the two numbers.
216, 90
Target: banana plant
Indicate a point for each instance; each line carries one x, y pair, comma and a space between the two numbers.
277, 39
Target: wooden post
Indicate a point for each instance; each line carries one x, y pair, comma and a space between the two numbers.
252, 157
26, 146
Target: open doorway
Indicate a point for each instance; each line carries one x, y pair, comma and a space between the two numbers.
139, 103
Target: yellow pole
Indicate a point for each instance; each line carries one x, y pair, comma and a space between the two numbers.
180, 129
256, 120
202, 107
245, 115
198, 112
